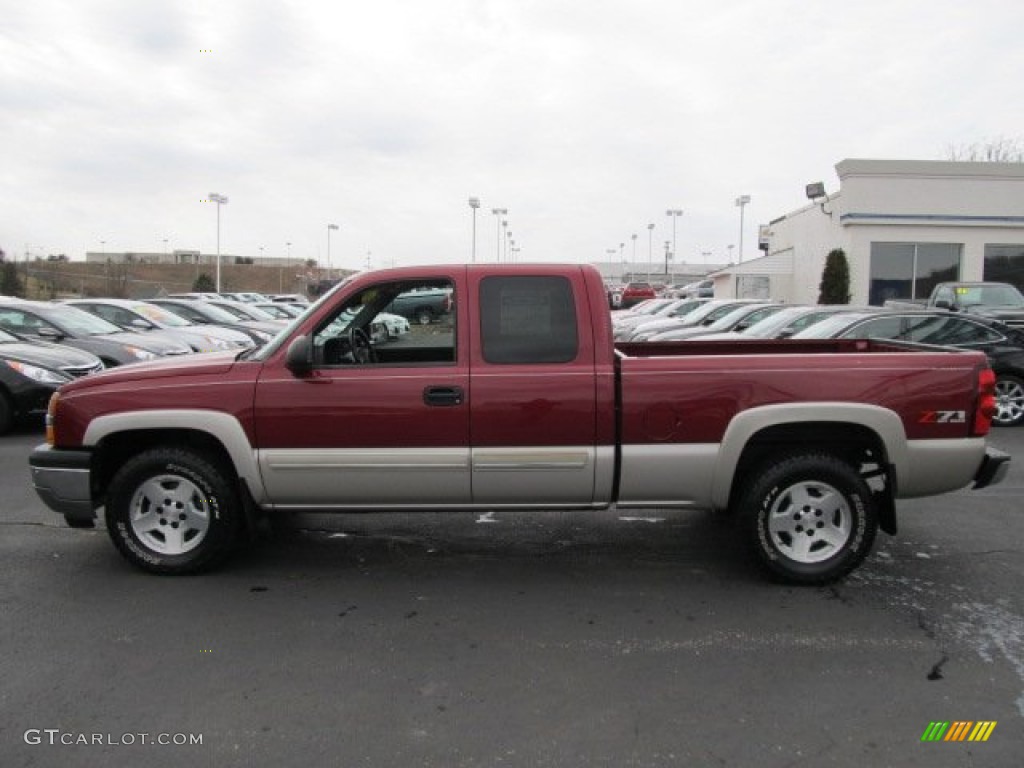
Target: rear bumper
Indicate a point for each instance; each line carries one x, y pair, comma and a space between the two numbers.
993, 469
61, 478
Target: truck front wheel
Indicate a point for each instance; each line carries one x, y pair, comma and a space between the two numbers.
810, 517
172, 511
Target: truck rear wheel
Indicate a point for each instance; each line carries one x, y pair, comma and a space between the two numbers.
810, 517
424, 316
172, 511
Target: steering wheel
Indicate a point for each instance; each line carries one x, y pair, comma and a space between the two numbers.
360, 348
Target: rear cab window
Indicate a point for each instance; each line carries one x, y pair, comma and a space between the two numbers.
527, 320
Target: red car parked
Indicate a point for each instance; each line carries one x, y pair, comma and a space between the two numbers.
634, 293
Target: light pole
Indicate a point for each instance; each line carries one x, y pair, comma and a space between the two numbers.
650, 249
474, 203
504, 240
498, 213
634, 251
741, 202
675, 213
329, 228
667, 257
622, 262
730, 247
219, 200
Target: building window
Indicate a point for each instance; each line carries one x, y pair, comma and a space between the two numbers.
911, 270
753, 286
1005, 264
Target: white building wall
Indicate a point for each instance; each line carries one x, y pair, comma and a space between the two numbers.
893, 201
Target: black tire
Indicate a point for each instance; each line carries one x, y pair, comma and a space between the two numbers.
424, 316
6, 414
173, 511
810, 518
1009, 401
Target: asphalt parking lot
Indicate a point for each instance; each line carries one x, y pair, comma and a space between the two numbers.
623, 638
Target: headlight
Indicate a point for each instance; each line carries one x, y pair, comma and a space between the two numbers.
42, 375
141, 354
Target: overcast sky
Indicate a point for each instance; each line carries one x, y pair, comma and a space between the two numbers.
586, 120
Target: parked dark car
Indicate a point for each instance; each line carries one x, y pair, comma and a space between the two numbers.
423, 306
204, 313
1003, 344
61, 324
31, 371
142, 317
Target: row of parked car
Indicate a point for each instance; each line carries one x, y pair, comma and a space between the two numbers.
630, 294
673, 320
46, 344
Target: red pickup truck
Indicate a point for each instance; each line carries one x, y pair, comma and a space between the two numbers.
520, 401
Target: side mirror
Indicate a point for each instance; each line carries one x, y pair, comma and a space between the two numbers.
943, 304
299, 358
47, 332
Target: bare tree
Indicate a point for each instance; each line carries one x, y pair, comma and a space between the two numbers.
997, 150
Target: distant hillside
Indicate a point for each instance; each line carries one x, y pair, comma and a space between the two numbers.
49, 279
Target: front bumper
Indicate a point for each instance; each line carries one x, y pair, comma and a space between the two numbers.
61, 478
993, 469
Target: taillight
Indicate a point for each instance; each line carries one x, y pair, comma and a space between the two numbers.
986, 407
51, 412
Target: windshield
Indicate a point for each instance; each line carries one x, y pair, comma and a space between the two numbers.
211, 312
159, 315
831, 326
767, 327
989, 296
79, 322
237, 312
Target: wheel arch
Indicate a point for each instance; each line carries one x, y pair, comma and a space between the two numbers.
115, 437
850, 431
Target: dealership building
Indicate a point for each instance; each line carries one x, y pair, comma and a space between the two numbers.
904, 225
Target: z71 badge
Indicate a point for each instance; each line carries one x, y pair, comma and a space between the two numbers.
942, 417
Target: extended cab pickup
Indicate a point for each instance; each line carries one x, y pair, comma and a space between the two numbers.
998, 301
520, 401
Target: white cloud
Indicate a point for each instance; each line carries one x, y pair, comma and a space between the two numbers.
586, 121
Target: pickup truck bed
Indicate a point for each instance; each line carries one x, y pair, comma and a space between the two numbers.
522, 402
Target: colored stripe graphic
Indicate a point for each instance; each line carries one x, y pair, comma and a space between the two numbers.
958, 730
982, 731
